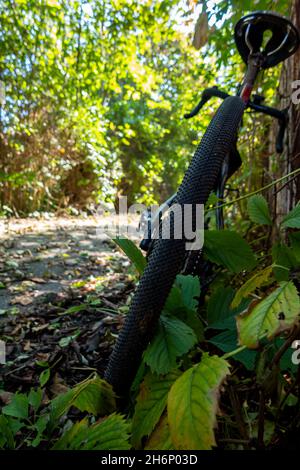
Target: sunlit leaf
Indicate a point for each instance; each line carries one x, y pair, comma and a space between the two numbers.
110, 434
134, 254
259, 279
278, 312
193, 403
150, 404
160, 439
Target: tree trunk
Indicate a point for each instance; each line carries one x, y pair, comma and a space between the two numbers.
287, 193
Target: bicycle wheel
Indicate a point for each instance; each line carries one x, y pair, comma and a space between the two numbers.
167, 256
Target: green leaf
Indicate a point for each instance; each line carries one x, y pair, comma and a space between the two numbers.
277, 312
110, 434
218, 307
18, 407
102, 403
64, 342
182, 302
44, 377
284, 260
294, 238
292, 219
258, 210
35, 398
174, 300
193, 402
173, 339
191, 319
160, 439
227, 341
66, 440
132, 251
220, 314
74, 309
251, 285
6, 434
228, 249
190, 290
40, 425
96, 398
150, 404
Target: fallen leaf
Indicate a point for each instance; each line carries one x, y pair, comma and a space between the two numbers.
22, 300
6, 397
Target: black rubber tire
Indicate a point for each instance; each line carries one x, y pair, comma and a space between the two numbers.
167, 256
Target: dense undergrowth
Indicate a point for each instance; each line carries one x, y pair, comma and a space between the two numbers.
223, 373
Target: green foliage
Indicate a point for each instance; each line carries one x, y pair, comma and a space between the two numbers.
257, 280
134, 254
284, 260
82, 123
192, 404
44, 377
160, 439
229, 249
227, 341
258, 210
190, 290
92, 395
23, 412
294, 238
278, 312
150, 404
110, 434
18, 407
172, 340
292, 219
81, 120
182, 303
220, 312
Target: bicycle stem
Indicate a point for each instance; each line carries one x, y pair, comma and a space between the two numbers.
255, 61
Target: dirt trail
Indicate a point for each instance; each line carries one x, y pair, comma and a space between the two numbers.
63, 293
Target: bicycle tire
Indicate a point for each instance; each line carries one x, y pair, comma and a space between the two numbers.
167, 256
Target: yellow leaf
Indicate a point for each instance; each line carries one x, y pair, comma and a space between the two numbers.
193, 403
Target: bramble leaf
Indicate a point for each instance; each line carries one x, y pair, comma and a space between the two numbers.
160, 439
292, 219
228, 249
150, 404
277, 312
109, 434
173, 339
250, 285
258, 210
192, 404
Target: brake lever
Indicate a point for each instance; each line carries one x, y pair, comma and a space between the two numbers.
206, 96
196, 110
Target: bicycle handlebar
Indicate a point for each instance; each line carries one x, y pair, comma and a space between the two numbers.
281, 116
